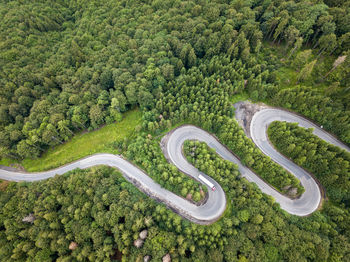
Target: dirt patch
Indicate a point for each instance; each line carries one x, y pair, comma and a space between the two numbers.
18, 167
244, 112
4, 185
13, 168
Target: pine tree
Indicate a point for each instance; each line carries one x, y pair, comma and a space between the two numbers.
306, 71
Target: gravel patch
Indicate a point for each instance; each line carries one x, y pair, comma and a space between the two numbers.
244, 112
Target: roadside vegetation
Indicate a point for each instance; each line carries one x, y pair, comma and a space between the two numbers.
96, 215
330, 164
147, 154
205, 159
239, 97
107, 139
64, 69
68, 66
216, 114
323, 95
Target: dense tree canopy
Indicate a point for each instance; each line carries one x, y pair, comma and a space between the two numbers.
67, 66
147, 154
85, 62
329, 163
95, 215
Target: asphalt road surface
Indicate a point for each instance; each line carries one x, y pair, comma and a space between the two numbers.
216, 203
311, 198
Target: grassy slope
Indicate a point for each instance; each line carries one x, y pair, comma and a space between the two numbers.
239, 97
84, 144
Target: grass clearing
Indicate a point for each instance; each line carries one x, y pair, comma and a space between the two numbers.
287, 77
7, 161
239, 97
84, 144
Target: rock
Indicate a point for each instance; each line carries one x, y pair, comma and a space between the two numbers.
293, 192
143, 234
29, 219
147, 258
189, 196
286, 187
166, 258
138, 243
73, 245
17, 167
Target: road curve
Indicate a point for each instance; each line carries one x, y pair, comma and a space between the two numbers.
206, 213
310, 199
216, 203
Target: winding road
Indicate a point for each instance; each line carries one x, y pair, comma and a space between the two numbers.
213, 208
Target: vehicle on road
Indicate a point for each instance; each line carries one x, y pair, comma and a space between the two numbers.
207, 182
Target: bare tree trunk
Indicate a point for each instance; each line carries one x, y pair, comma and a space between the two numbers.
307, 40
320, 52
55, 138
340, 60
292, 52
77, 126
317, 43
273, 29
38, 147
334, 50
70, 131
330, 71
336, 47
83, 125
318, 30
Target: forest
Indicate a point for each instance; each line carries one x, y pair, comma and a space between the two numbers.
65, 67
99, 216
330, 164
74, 66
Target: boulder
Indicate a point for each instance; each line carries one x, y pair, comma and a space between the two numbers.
293, 192
286, 187
29, 219
73, 245
143, 234
166, 258
138, 243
